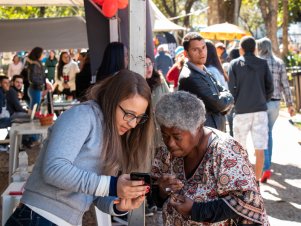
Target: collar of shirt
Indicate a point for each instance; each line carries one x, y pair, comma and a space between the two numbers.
194, 67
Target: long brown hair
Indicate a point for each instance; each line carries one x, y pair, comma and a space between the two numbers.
131, 151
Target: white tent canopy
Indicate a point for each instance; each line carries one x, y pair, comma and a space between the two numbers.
160, 22
58, 33
49, 33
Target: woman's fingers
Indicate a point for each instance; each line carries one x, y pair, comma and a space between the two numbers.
130, 189
138, 201
172, 185
129, 204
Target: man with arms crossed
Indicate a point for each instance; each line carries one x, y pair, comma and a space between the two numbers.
195, 78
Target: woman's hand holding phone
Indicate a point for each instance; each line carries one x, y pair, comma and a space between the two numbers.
130, 189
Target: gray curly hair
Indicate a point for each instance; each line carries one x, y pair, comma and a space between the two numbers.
182, 110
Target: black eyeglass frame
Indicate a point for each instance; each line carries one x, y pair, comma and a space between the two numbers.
140, 119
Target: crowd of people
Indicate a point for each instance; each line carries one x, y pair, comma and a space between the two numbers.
169, 122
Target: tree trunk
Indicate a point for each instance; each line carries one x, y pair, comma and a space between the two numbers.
223, 11
213, 12
237, 4
227, 11
269, 13
42, 11
188, 6
285, 29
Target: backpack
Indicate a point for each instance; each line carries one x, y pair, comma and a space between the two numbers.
36, 76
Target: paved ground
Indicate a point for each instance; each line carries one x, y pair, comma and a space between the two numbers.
282, 194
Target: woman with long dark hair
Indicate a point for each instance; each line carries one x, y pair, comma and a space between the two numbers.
36, 76
155, 81
65, 75
158, 88
114, 59
214, 65
84, 77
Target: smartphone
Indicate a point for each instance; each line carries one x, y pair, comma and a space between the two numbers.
142, 176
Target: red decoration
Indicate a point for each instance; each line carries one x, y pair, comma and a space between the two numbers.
109, 8
99, 2
122, 4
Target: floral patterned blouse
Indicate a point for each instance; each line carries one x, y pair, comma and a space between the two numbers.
224, 173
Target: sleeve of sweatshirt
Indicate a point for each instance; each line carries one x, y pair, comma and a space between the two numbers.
106, 205
71, 131
269, 85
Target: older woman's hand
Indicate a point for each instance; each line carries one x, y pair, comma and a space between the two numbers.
128, 189
168, 183
182, 204
130, 204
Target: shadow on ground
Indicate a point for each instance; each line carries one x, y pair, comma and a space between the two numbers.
282, 193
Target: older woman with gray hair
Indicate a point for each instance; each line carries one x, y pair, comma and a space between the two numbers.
204, 176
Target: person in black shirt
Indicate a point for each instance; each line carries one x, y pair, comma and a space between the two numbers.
14, 95
83, 78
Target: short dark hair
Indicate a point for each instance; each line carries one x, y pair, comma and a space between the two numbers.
3, 77
234, 53
190, 37
248, 44
16, 77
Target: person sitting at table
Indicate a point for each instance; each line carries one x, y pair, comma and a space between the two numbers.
5, 120
14, 95
17, 84
65, 75
107, 135
204, 175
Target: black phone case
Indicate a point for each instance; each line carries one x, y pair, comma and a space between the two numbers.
141, 176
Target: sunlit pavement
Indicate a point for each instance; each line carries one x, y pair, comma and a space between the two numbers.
282, 193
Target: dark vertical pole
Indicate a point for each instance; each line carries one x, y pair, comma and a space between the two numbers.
98, 33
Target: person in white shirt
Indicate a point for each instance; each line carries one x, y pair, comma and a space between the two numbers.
15, 67
65, 75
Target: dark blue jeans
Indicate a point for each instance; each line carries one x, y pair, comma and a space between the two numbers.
35, 97
24, 216
5, 122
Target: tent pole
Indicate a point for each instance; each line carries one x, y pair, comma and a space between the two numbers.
137, 35
137, 45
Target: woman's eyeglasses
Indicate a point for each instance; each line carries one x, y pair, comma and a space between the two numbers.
140, 119
148, 64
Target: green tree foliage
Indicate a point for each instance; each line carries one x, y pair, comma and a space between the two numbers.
294, 8
251, 21
173, 8
26, 12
